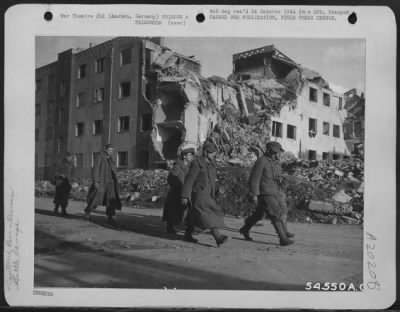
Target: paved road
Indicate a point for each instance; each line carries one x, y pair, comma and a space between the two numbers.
72, 252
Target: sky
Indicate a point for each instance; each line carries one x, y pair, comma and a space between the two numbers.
341, 62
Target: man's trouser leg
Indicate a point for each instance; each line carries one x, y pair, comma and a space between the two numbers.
280, 230
256, 216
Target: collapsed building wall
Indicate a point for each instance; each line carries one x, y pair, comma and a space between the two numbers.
236, 113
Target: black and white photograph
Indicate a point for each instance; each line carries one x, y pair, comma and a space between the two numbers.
185, 163
199, 163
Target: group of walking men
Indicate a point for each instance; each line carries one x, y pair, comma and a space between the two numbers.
192, 192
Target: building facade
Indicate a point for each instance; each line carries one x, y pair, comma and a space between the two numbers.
312, 128
354, 125
96, 96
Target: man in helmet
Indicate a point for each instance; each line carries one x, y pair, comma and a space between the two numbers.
266, 191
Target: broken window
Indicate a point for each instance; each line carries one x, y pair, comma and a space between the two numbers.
78, 160
122, 159
38, 85
81, 99
124, 89
60, 143
327, 99
37, 109
123, 124
99, 65
277, 129
357, 129
144, 159
312, 155
97, 127
325, 128
62, 89
146, 121
126, 56
94, 157
50, 82
149, 59
313, 94
312, 127
291, 132
82, 71
37, 134
79, 129
325, 156
335, 156
61, 116
340, 103
49, 133
98, 95
336, 131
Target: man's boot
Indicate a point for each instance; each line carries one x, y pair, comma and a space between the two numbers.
56, 208
188, 234
284, 220
280, 230
245, 231
288, 234
219, 239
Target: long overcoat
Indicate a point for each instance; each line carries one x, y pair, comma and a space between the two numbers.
104, 173
265, 182
173, 209
63, 173
200, 187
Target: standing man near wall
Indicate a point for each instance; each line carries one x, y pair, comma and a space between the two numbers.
267, 193
173, 208
199, 187
104, 189
63, 174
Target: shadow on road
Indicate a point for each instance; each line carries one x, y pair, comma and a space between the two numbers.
73, 264
137, 223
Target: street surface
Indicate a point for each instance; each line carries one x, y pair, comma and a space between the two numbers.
72, 252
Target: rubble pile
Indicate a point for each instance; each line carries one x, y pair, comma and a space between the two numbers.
317, 191
243, 108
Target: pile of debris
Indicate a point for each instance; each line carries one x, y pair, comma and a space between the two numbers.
317, 191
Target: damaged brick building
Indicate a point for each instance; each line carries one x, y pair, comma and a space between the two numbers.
150, 101
268, 96
91, 97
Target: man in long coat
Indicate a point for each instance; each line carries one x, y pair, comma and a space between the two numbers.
104, 189
173, 208
199, 187
267, 193
63, 174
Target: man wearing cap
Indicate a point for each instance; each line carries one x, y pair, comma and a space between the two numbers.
199, 188
104, 189
64, 171
173, 208
266, 191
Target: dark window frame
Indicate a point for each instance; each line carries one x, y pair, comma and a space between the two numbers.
123, 124
277, 129
79, 129
98, 127
336, 131
313, 95
291, 129
125, 165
